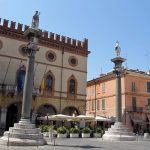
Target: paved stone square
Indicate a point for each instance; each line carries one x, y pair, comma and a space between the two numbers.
86, 143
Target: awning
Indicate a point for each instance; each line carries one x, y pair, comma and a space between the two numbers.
148, 116
136, 120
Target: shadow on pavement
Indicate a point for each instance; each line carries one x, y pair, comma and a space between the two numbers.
81, 146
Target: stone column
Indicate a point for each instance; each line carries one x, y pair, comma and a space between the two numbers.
118, 98
28, 87
25, 133
3, 117
118, 131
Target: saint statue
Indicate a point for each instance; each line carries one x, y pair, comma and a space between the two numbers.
117, 49
35, 20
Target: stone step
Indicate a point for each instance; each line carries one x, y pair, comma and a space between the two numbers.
110, 137
119, 133
23, 136
24, 126
24, 131
118, 129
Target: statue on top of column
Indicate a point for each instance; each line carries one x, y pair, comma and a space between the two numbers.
35, 20
117, 49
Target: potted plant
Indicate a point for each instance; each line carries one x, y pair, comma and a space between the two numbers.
85, 132
98, 132
61, 132
74, 132
45, 129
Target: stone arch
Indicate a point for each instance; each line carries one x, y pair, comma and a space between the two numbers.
45, 109
70, 110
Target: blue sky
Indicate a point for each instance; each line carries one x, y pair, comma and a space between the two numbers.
103, 22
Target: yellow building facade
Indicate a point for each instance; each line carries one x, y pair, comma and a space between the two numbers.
60, 74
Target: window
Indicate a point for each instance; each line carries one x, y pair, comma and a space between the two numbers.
92, 90
133, 87
86, 105
49, 82
148, 102
134, 104
98, 104
51, 56
73, 61
103, 104
72, 86
103, 87
148, 87
93, 104
21, 79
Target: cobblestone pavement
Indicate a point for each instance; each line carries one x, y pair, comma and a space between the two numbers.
86, 143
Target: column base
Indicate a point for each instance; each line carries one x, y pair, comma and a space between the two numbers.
119, 132
23, 134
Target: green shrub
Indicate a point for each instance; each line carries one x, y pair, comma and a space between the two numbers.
86, 130
74, 130
45, 128
99, 130
61, 130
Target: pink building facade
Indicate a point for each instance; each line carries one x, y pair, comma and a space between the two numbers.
135, 90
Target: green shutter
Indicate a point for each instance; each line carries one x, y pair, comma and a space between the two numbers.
134, 103
148, 87
103, 103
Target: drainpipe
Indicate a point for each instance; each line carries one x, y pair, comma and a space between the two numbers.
61, 74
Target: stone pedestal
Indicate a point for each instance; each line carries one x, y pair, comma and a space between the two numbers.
23, 134
119, 132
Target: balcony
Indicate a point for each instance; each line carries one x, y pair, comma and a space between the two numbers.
134, 109
7, 90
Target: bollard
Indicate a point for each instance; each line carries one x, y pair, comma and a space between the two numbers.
54, 136
8, 140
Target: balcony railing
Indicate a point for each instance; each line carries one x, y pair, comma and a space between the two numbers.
11, 90
134, 109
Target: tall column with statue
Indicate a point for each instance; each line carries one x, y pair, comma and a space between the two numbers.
118, 131
25, 133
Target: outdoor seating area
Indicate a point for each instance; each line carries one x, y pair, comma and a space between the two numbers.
82, 126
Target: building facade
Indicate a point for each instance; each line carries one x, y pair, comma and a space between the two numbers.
135, 91
60, 74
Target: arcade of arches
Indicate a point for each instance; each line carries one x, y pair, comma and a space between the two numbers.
12, 113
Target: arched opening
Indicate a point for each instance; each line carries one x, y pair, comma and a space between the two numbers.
13, 114
45, 110
71, 111
20, 79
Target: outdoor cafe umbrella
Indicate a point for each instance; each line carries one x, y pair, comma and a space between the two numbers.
99, 118
82, 117
60, 117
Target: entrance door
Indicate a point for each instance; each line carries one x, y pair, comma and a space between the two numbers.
11, 116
